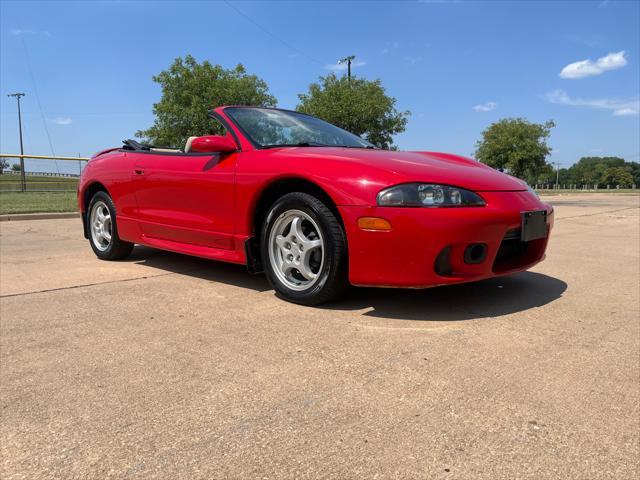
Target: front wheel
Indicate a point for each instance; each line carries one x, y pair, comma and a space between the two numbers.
103, 231
304, 250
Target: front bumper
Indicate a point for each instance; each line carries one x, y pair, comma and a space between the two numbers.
411, 253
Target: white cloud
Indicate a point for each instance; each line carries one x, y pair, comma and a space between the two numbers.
587, 68
61, 121
620, 107
591, 41
412, 60
625, 112
389, 47
485, 107
18, 32
338, 67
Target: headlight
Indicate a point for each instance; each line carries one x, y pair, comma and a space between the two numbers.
428, 195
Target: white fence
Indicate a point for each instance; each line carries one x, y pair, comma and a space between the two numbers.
38, 181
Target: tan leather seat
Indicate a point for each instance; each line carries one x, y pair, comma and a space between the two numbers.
187, 147
165, 150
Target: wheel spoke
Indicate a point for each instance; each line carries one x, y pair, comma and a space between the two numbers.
281, 242
311, 244
287, 265
296, 229
305, 269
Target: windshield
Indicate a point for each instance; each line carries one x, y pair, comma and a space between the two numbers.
268, 128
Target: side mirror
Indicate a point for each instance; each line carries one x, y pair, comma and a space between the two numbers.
212, 144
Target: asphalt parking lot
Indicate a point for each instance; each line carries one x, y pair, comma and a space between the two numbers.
165, 366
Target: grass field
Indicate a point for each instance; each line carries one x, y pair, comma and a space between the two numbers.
10, 182
37, 202
57, 194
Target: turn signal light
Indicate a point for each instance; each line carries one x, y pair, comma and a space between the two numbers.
374, 223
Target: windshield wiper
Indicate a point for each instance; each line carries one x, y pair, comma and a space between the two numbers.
315, 144
370, 147
300, 144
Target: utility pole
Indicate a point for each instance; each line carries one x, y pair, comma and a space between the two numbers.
557, 164
23, 181
348, 61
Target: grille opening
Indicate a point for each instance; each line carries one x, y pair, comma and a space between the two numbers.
512, 234
442, 265
510, 249
512, 252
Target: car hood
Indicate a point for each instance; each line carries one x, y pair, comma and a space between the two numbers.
393, 167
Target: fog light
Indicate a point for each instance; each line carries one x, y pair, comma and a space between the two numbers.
374, 223
475, 253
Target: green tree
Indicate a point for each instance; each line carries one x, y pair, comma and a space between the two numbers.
563, 177
190, 89
634, 169
16, 167
359, 106
617, 176
516, 146
546, 175
592, 170
4, 163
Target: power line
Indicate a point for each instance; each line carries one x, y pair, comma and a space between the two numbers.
35, 90
23, 183
265, 30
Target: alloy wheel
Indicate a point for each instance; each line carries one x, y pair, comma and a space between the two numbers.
101, 226
296, 250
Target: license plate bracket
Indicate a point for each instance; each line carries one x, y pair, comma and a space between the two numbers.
534, 225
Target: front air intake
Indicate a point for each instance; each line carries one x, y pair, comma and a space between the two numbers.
475, 253
442, 265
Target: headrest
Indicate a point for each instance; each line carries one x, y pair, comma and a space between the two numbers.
187, 147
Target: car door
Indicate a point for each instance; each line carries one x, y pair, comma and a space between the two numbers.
186, 197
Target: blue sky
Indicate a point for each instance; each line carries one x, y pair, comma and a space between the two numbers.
90, 65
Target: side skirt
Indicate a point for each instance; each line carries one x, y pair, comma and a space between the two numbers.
130, 230
231, 256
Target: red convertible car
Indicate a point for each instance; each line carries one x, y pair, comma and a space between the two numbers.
313, 206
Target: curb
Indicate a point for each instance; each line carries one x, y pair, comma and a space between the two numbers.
37, 216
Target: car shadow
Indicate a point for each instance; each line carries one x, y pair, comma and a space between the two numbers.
209, 270
488, 298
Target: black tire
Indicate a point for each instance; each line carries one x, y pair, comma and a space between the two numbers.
332, 276
116, 249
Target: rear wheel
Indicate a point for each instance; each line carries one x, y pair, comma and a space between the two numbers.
304, 250
103, 232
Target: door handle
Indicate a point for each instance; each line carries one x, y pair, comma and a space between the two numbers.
138, 171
